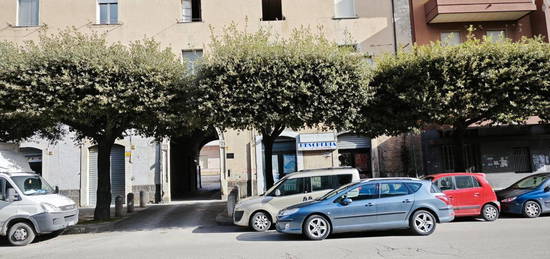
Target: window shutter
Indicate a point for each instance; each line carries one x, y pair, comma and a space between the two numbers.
28, 12
187, 11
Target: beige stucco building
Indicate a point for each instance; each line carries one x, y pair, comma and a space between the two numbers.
186, 26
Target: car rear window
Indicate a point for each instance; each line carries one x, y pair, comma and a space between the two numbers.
435, 189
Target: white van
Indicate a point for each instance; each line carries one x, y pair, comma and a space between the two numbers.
259, 212
29, 206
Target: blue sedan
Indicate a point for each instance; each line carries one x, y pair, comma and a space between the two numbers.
374, 204
529, 196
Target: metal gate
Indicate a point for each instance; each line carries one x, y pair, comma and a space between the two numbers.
117, 174
349, 141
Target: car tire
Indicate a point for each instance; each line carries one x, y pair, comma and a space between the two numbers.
316, 227
531, 209
21, 234
260, 221
422, 222
489, 212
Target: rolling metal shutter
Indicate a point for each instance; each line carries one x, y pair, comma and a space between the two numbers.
117, 174
348, 141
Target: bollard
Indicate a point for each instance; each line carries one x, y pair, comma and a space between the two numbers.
118, 206
130, 202
142, 199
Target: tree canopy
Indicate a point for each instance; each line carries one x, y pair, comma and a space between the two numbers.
265, 82
458, 86
102, 90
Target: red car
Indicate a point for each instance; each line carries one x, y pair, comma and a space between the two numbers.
469, 193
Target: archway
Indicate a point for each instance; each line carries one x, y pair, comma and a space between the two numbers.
209, 170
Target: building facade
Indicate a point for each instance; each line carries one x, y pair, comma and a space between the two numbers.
504, 153
373, 27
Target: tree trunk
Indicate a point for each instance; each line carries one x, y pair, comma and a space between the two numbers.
460, 161
268, 152
103, 203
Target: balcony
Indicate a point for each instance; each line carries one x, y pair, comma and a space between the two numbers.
448, 11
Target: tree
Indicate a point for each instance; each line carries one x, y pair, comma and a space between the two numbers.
102, 91
18, 119
479, 81
264, 82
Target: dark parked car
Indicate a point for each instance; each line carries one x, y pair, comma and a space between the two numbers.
374, 204
529, 196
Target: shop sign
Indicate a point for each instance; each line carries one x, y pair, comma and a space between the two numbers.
325, 145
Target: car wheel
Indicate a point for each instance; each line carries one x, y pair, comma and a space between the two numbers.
422, 223
260, 221
21, 234
490, 212
531, 209
316, 227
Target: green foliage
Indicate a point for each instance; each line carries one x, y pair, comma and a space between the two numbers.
477, 81
100, 89
19, 119
262, 81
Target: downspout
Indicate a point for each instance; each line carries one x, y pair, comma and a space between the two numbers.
394, 26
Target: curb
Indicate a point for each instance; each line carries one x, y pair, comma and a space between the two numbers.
99, 227
223, 219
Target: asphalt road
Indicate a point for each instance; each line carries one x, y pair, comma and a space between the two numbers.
187, 229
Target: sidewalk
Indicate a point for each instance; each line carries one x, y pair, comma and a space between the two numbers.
86, 223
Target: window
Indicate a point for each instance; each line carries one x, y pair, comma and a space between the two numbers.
520, 161
413, 187
393, 189
191, 57
292, 186
28, 13
327, 182
445, 183
496, 35
531, 182
344, 9
2, 189
363, 192
476, 182
272, 10
192, 11
450, 38
108, 11
464, 182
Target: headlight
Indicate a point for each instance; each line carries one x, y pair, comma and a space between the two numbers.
511, 199
287, 212
50, 208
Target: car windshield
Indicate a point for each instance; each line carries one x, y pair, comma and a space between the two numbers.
335, 191
32, 185
531, 182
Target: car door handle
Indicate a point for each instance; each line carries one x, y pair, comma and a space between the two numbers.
369, 204
407, 201
476, 194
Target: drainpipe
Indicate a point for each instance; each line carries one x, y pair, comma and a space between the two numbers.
394, 26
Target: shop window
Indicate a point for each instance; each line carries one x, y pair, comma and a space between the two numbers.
28, 11
344, 9
191, 57
192, 11
451, 38
520, 161
272, 10
496, 35
356, 158
108, 11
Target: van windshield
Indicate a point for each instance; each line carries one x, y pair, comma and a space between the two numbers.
32, 185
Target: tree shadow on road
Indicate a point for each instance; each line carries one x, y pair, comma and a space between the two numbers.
275, 236
219, 229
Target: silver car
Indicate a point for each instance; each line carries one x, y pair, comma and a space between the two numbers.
374, 204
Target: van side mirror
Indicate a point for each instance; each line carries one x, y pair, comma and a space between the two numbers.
547, 189
12, 195
345, 201
56, 189
277, 192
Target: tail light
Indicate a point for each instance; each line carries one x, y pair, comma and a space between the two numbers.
443, 198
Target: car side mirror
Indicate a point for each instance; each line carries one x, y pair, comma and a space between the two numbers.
12, 195
56, 189
277, 192
547, 189
346, 201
